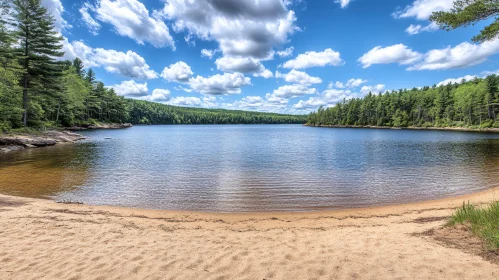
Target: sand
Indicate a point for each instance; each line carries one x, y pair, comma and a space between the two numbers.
41, 239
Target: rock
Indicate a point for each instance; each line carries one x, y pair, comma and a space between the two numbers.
110, 126
15, 142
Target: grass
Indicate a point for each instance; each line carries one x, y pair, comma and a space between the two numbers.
484, 221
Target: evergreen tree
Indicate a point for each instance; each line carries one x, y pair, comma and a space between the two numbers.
90, 77
40, 44
470, 12
78, 65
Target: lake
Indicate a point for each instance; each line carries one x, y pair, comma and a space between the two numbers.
247, 168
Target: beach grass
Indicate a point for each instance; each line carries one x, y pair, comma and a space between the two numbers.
484, 221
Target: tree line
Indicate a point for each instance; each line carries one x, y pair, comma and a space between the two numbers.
39, 89
466, 104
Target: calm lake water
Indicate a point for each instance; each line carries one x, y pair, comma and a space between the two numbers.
244, 168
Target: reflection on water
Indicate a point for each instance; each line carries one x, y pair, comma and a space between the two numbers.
255, 167
45, 172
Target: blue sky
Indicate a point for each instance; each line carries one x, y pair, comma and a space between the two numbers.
287, 56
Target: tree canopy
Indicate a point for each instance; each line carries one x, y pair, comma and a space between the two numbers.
469, 12
467, 104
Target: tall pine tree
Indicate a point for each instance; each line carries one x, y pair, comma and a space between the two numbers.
40, 44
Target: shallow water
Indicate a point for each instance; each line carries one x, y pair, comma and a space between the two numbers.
245, 168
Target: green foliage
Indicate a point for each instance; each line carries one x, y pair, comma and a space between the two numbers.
469, 104
144, 112
469, 12
484, 222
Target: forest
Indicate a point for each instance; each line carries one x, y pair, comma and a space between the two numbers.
472, 104
39, 89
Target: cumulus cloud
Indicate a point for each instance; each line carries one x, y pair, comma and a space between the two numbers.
128, 64
257, 103
179, 72
416, 29
467, 78
355, 82
131, 18
208, 53
131, 89
315, 59
185, 101
241, 28
338, 84
55, 8
343, 3
400, 54
462, 55
286, 52
298, 77
92, 25
292, 91
372, 89
422, 9
226, 84
158, 95
327, 98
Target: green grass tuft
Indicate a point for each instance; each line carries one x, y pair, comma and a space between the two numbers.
484, 221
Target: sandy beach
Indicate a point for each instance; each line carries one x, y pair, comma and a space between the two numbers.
41, 239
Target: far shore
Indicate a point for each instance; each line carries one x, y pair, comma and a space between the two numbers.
44, 239
463, 129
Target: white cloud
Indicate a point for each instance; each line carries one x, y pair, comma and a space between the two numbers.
416, 29
228, 83
92, 25
400, 54
462, 55
128, 64
327, 98
243, 65
355, 83
131, 89
343, 3
185, 101
179, 72
266, 74
241, 28
298, 77
422, 9
372, 89
315, 59
131, 18
56, 9
292, 91
457, 80
338, 84
257, 103
208, 53
286, 52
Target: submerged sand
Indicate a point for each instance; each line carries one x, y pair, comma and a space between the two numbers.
44, 240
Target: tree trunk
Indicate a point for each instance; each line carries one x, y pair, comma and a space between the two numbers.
25, 84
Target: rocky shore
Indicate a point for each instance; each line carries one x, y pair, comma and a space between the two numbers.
411, 128
102, 126
15, 142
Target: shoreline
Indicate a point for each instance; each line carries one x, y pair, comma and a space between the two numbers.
21, 141
44, 239
461, 129
452, 202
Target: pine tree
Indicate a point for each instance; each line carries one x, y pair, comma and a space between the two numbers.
90, 77
470, 12
78, 65
40, 44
